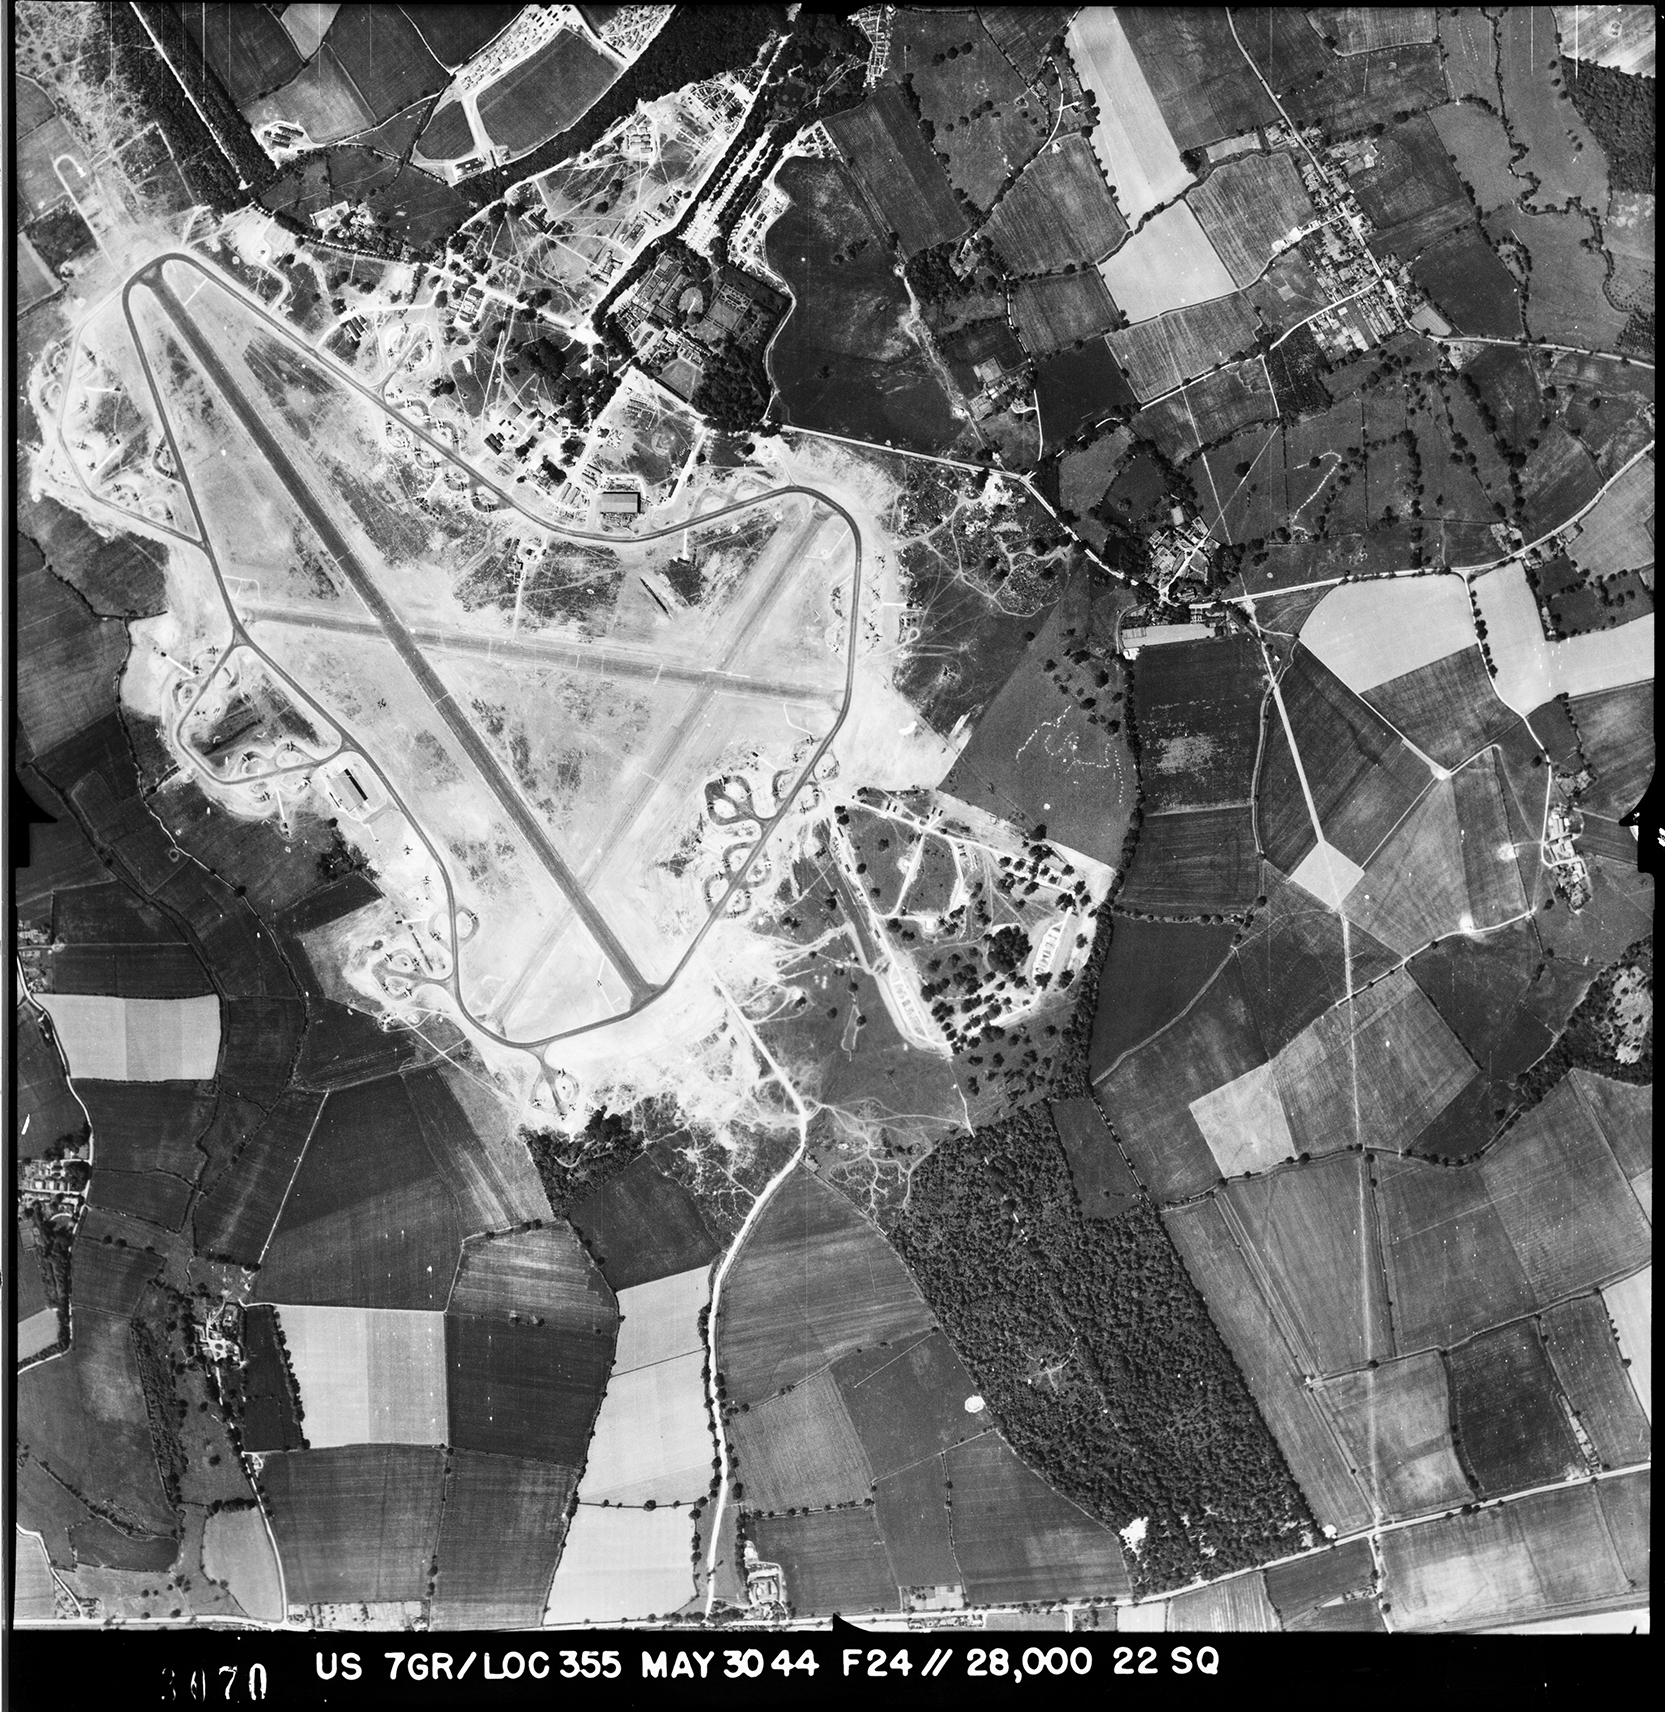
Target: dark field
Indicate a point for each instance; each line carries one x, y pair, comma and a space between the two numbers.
368, 1221
1615, 733
383, 53
108, 1276
1198, 863
355, 1524
842, 360
1060, 310
1587, 1362
1197, 706
152, 1195
1481, 987
1153, 971
447, 136
813, 1282
641, 1226
1284, 46
499, 1537
47, 1108
1412, 193
456, 33
1298, 1588
1197, 74
1059, 211
1369, 89
523, 1390
258, 1043
1016, 1539
265, 1392
543, 95
1104, 1184
907, 1400
234, 1219
911, 1509
1075, 388
248, 49
1506, 1414
1469, 285
1448, 709
1214, 408
899, 171
1147, 1096
1293, 963
832, 1560
1023, 32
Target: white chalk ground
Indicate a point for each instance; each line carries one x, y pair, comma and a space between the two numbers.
1167, 264
1531, 670
1630, 1305
1597, 1623
1244, 1123
136, 1040
659, 1321
1370, 633
1143, 1619
652, 1437
368, 1375
38, 1332
1131, 139
623, 1564
1327, 874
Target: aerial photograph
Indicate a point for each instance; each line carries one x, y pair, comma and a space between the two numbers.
936, 725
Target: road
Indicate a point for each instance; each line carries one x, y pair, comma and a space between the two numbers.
462, 730
251, 306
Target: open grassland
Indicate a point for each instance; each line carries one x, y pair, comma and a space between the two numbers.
911, 1509
833, 1560
1199, 77
1615, 734
1214, 408
237, 1550
355, 1524
544, 94
1368, 89
368, 1220
523, 1390
1448, 708
1153, 971
898, 170
1147, 1096
1294, 965
544, 1272
1560, 152
235, 1217
1567, 1207
801, 1449
1557, 1553
1060, 210
1274, 1376
641, 1226
621, 1565
1194, 863
1617, 534
1395, 1420
1470, 286
1061, 309
1105, 1185
1016, 1539
500, 1534
1412, 193
1164, 353
1468, 39
1130, 135
652, 1438
907, 1399
813, 1281
1167, 264
368, 1376
1314, 1230
1360, 29
1506, 1412
1248, 209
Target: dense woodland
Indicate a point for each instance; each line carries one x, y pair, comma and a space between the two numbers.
1619, 108
1097, 1354
1587, 1041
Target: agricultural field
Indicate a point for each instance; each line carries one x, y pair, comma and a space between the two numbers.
1058, 211
898, 171
1167, 264
1061, 310
1164, 353
1249, 209
1507, 1415
621, 1565
136, 1040
1200, 80
1077, 387
1152, 973
368, 1376
500, 1534
1358, 91
516, 109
